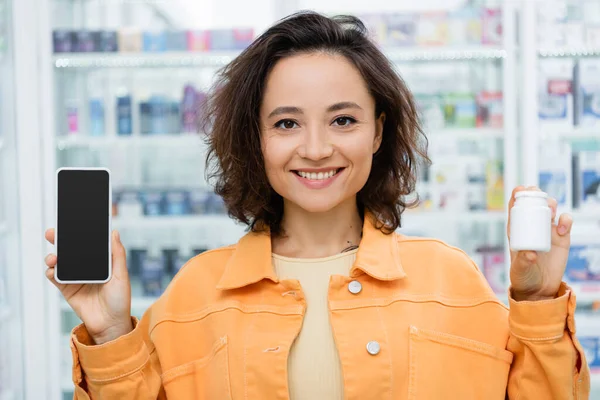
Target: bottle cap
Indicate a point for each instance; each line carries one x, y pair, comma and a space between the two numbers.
531, 193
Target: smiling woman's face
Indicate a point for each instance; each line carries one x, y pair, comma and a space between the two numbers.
318, 130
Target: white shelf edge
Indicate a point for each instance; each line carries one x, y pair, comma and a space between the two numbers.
569, 52
4, 313
465, 133
444, 53
484, 215
135, 60
573, 133
159, 140
220, 58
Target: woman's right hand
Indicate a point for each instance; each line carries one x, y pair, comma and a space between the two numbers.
105, 308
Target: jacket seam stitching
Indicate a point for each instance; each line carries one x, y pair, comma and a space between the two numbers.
114, 378
542, 339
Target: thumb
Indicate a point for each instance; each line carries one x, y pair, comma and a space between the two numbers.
119, 257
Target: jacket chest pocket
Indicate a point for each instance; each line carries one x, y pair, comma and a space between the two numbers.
206, 378
444, 366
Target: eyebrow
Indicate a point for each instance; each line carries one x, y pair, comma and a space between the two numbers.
295, 110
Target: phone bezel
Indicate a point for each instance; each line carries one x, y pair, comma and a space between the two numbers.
109, 226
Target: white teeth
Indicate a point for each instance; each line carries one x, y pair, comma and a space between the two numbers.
317, 176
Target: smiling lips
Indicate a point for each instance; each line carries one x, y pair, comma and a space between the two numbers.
317, 179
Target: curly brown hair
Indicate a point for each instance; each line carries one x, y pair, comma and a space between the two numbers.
231, 120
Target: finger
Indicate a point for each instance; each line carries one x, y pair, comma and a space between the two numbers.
50, 260
50, 277
50, 235
565, 223
119, 257
553, 204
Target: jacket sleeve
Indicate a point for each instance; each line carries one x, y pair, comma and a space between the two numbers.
549, 362
125, 368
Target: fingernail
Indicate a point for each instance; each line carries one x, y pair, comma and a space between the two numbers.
562, 229
117, 236
530, 256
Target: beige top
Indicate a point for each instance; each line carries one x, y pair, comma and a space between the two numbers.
314, 370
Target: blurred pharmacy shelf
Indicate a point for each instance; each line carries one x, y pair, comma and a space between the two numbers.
186, 140
1, 143
3, 228
576, 133
4, 313
143, 60
464, 133
217, 59
570, 52
445, 53
458, 215
7, 395
223, 222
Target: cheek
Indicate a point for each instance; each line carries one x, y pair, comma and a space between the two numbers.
276, 156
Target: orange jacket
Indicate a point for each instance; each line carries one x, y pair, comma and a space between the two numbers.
224, 327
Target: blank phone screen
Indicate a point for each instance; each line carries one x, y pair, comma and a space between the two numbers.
83, 225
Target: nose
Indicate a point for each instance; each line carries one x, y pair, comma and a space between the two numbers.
316, 144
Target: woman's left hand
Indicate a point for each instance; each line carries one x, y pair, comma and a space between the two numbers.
537, 275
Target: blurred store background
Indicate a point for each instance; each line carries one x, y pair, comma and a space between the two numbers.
509, 93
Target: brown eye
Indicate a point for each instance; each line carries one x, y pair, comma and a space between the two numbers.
286, 124
344, 121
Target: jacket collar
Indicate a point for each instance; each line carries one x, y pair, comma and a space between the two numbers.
251, 261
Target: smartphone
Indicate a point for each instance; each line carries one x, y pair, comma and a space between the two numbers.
83, 225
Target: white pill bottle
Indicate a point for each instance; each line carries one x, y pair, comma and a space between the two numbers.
531, 222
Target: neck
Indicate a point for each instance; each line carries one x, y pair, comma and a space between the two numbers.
314, 235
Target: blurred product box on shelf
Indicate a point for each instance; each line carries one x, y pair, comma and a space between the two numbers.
124, 113
154, 41
490, 110
176, 40
556, 173
462, 27
400, 29
465, 26
432, 29
197, 40
583, 265
591, 348
555, 92
133, 40
587, 180
63, 41
492, 26
587, 96
130, 40
230, 39
495, 185
157, 114
494, 268
97, 127
573, 24
431, 109
85, 41
128, 203
152, 272
460, 110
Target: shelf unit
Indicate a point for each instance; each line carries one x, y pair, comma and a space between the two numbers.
8, 395
175, 140
5, 313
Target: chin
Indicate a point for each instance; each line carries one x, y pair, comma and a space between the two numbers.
316, 205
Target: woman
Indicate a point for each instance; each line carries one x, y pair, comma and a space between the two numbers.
316, 140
